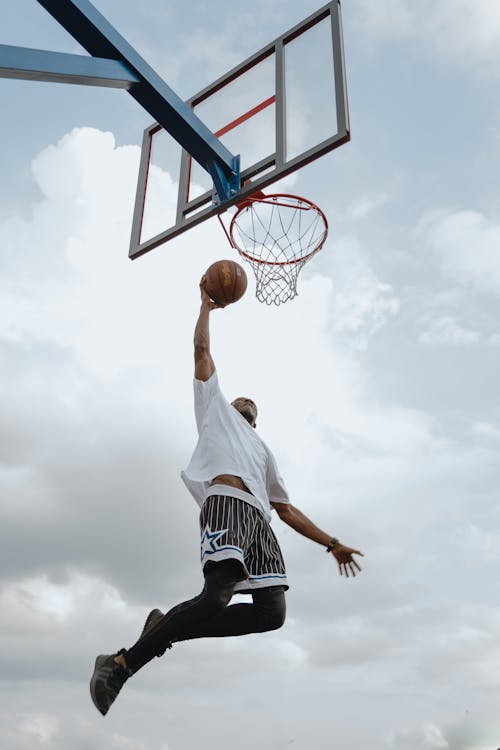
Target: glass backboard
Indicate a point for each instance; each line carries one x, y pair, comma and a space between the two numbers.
278, 110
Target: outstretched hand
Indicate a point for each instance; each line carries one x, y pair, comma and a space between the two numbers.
205, 298
344, 556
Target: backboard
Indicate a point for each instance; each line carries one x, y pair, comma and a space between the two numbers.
279, 110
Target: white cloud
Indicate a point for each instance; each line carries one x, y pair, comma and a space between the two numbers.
96, 420
366, 205
486, 430
110, 343
42, 728
385, 19
361, 302
120, 742
467, 33
57, 602
467, 245
447, 331
484, 544
425, 737
59, 728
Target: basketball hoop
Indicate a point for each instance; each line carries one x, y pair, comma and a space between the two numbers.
277, 234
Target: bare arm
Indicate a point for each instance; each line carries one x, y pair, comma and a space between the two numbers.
204, 366
303, 525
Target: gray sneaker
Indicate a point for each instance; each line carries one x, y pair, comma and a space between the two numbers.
107, 681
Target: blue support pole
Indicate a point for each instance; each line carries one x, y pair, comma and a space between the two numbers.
59, 67
90, 29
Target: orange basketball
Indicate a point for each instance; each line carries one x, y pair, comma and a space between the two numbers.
226, 282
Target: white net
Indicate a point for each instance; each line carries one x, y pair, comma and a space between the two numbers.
277, 235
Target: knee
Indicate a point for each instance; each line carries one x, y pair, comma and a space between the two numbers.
276, 617
272, 607
218, 589
217, 599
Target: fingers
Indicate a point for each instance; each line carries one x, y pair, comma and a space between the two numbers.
203, 291
353, 566
349, 568
205, 297
344, 570
207, 300
214, 305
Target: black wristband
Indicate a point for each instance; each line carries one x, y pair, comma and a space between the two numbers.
332, 544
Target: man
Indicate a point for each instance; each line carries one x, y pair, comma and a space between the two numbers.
234, 478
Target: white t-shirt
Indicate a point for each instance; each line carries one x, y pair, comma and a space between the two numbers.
228, 444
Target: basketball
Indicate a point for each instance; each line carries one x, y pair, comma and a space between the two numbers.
226, 282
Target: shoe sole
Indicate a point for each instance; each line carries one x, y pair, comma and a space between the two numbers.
94, 692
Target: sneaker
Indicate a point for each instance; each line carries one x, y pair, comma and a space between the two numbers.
152, 619
107, 681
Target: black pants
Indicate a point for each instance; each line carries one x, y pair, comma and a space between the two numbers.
209, 616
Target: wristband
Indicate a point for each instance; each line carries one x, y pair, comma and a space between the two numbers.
332, 544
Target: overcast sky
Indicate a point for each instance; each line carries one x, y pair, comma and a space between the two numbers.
377, 390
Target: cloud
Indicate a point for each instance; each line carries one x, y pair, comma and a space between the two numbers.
448, 332
390, 18
466, 32
361, 302
483, 543
461, 734
454, 28
33, 728
486, 430
467, 246
366, 205
425, 737
96, 422
98, 369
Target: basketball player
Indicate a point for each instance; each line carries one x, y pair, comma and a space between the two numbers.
233, 476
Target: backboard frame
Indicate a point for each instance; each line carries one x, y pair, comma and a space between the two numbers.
194, 211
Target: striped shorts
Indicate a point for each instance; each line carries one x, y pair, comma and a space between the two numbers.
232, 528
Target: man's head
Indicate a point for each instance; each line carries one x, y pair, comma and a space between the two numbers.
246, 408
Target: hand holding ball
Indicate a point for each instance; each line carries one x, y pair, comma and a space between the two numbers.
225, 282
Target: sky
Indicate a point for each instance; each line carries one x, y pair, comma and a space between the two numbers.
377, 389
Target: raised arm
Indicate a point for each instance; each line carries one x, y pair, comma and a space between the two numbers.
303, 525
204, 365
